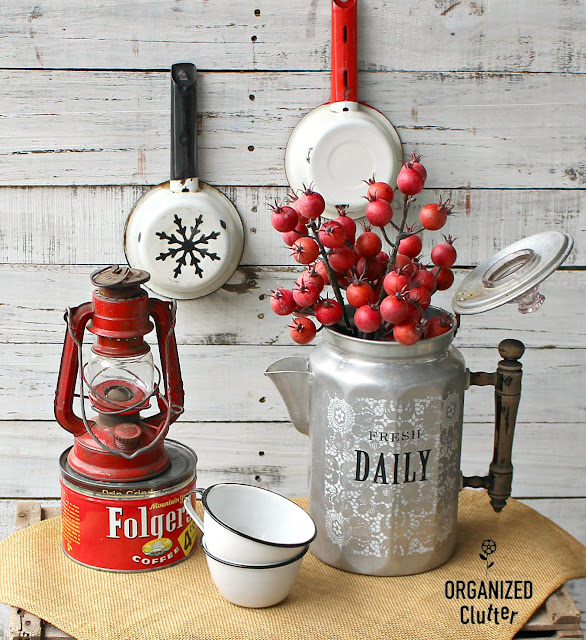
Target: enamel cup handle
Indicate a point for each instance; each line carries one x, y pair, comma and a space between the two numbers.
190, 510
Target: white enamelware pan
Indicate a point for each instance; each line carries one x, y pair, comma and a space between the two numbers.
185, 233
340, 144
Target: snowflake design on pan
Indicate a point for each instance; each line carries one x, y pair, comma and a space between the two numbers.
341, 415
188, 245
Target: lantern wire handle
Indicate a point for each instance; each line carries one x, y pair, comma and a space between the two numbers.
169, 406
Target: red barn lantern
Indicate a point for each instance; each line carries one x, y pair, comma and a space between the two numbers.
122, 484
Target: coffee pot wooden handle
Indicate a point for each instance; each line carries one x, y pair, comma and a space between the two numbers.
507, 394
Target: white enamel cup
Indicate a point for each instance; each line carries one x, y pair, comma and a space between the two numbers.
257, 585
250, 525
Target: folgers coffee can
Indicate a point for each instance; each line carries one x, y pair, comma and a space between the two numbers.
129, 526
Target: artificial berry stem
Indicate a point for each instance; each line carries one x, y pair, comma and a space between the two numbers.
407, 200
391, 263
413, 232
386, 237
331, 276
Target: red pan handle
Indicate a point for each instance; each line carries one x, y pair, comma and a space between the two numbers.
344, 67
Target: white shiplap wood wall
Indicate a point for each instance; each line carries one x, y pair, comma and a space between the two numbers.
490, 91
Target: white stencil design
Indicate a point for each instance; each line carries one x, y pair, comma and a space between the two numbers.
337, 529
392, 516
451, 409
340, 415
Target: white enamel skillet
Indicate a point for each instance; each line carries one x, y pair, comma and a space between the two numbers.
344, 142
185, 233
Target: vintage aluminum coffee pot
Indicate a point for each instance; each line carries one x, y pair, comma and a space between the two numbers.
385, 422
122, 483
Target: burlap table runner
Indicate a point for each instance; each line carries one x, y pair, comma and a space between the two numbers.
181, 602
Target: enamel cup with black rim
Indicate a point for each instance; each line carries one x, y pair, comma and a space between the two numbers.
254, 585
250, 525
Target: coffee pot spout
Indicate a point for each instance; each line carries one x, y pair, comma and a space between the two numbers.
292, 378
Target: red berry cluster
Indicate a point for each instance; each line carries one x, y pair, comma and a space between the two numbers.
389, 293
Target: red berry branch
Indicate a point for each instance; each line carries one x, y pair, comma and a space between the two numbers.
389, 294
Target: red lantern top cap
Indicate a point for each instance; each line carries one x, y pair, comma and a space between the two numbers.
118, 279
120, 311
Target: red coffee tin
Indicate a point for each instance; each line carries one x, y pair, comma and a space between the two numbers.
129, 526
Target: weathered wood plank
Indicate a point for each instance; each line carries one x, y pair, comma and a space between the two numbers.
475, 129
227, 382
23, 623
477, 35
85, 225
558, 613
568, 513
7, 511
33, 298
274, 455
535, 449
577, 589
277, 456
561, 609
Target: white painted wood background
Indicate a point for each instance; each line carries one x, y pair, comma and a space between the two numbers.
490, 91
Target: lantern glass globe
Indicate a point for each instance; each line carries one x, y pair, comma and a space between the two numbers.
120, 379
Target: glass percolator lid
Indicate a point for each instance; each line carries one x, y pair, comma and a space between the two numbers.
513, 274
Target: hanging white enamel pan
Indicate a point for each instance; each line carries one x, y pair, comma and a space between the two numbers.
185, 233
344, 142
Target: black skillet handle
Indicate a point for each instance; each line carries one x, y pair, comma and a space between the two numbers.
183, 121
